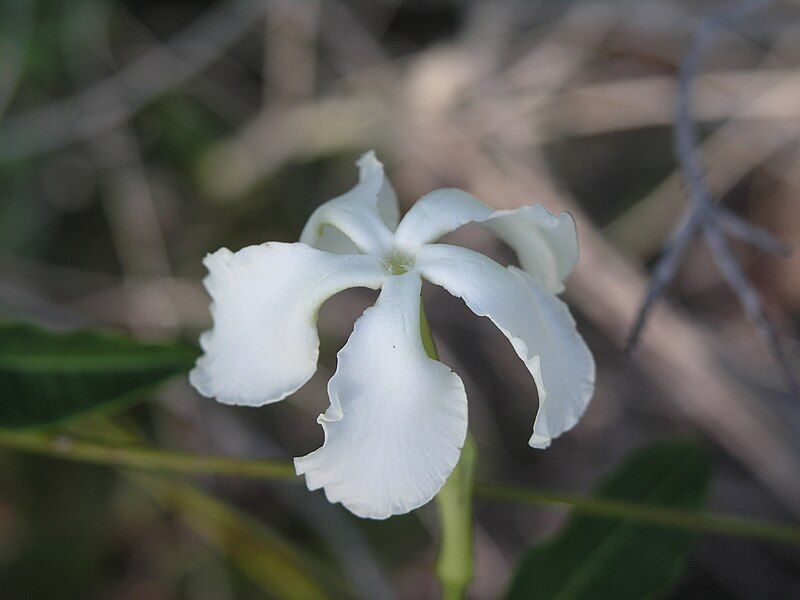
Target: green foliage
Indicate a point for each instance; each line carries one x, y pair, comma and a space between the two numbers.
612, 559
47, 377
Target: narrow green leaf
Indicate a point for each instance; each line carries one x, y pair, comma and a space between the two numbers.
47, 377
611, 559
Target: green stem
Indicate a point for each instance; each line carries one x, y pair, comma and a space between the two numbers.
454, 502
152, 459
651, 514
69, 447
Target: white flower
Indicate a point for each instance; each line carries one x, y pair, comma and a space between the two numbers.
397, 419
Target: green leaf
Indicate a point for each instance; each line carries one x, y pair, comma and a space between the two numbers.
47, 377
611, 559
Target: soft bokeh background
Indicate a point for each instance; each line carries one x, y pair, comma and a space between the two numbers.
137, 136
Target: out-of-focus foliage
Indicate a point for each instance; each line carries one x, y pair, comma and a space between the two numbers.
47, 377
611, 560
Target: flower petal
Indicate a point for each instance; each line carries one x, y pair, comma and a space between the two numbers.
397, 419
264, 343
360, 220
546, 244
538, 325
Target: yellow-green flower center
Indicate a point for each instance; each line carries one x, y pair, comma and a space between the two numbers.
398, 263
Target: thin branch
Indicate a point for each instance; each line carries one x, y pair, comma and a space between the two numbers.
748, 297
738, 228
704, 215
132, 456
664, 272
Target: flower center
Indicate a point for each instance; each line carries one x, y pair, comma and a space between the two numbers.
397, 263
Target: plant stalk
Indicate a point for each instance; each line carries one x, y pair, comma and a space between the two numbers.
123, 454
454, 564
454, 502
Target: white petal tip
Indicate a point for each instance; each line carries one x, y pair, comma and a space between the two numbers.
222, 256
368, 162
369, 155
201, 380
539, 442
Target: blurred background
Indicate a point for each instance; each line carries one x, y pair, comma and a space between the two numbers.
137, 136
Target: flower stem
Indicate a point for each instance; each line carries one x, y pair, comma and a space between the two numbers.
454, 502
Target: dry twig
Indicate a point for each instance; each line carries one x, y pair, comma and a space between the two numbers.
707, 218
